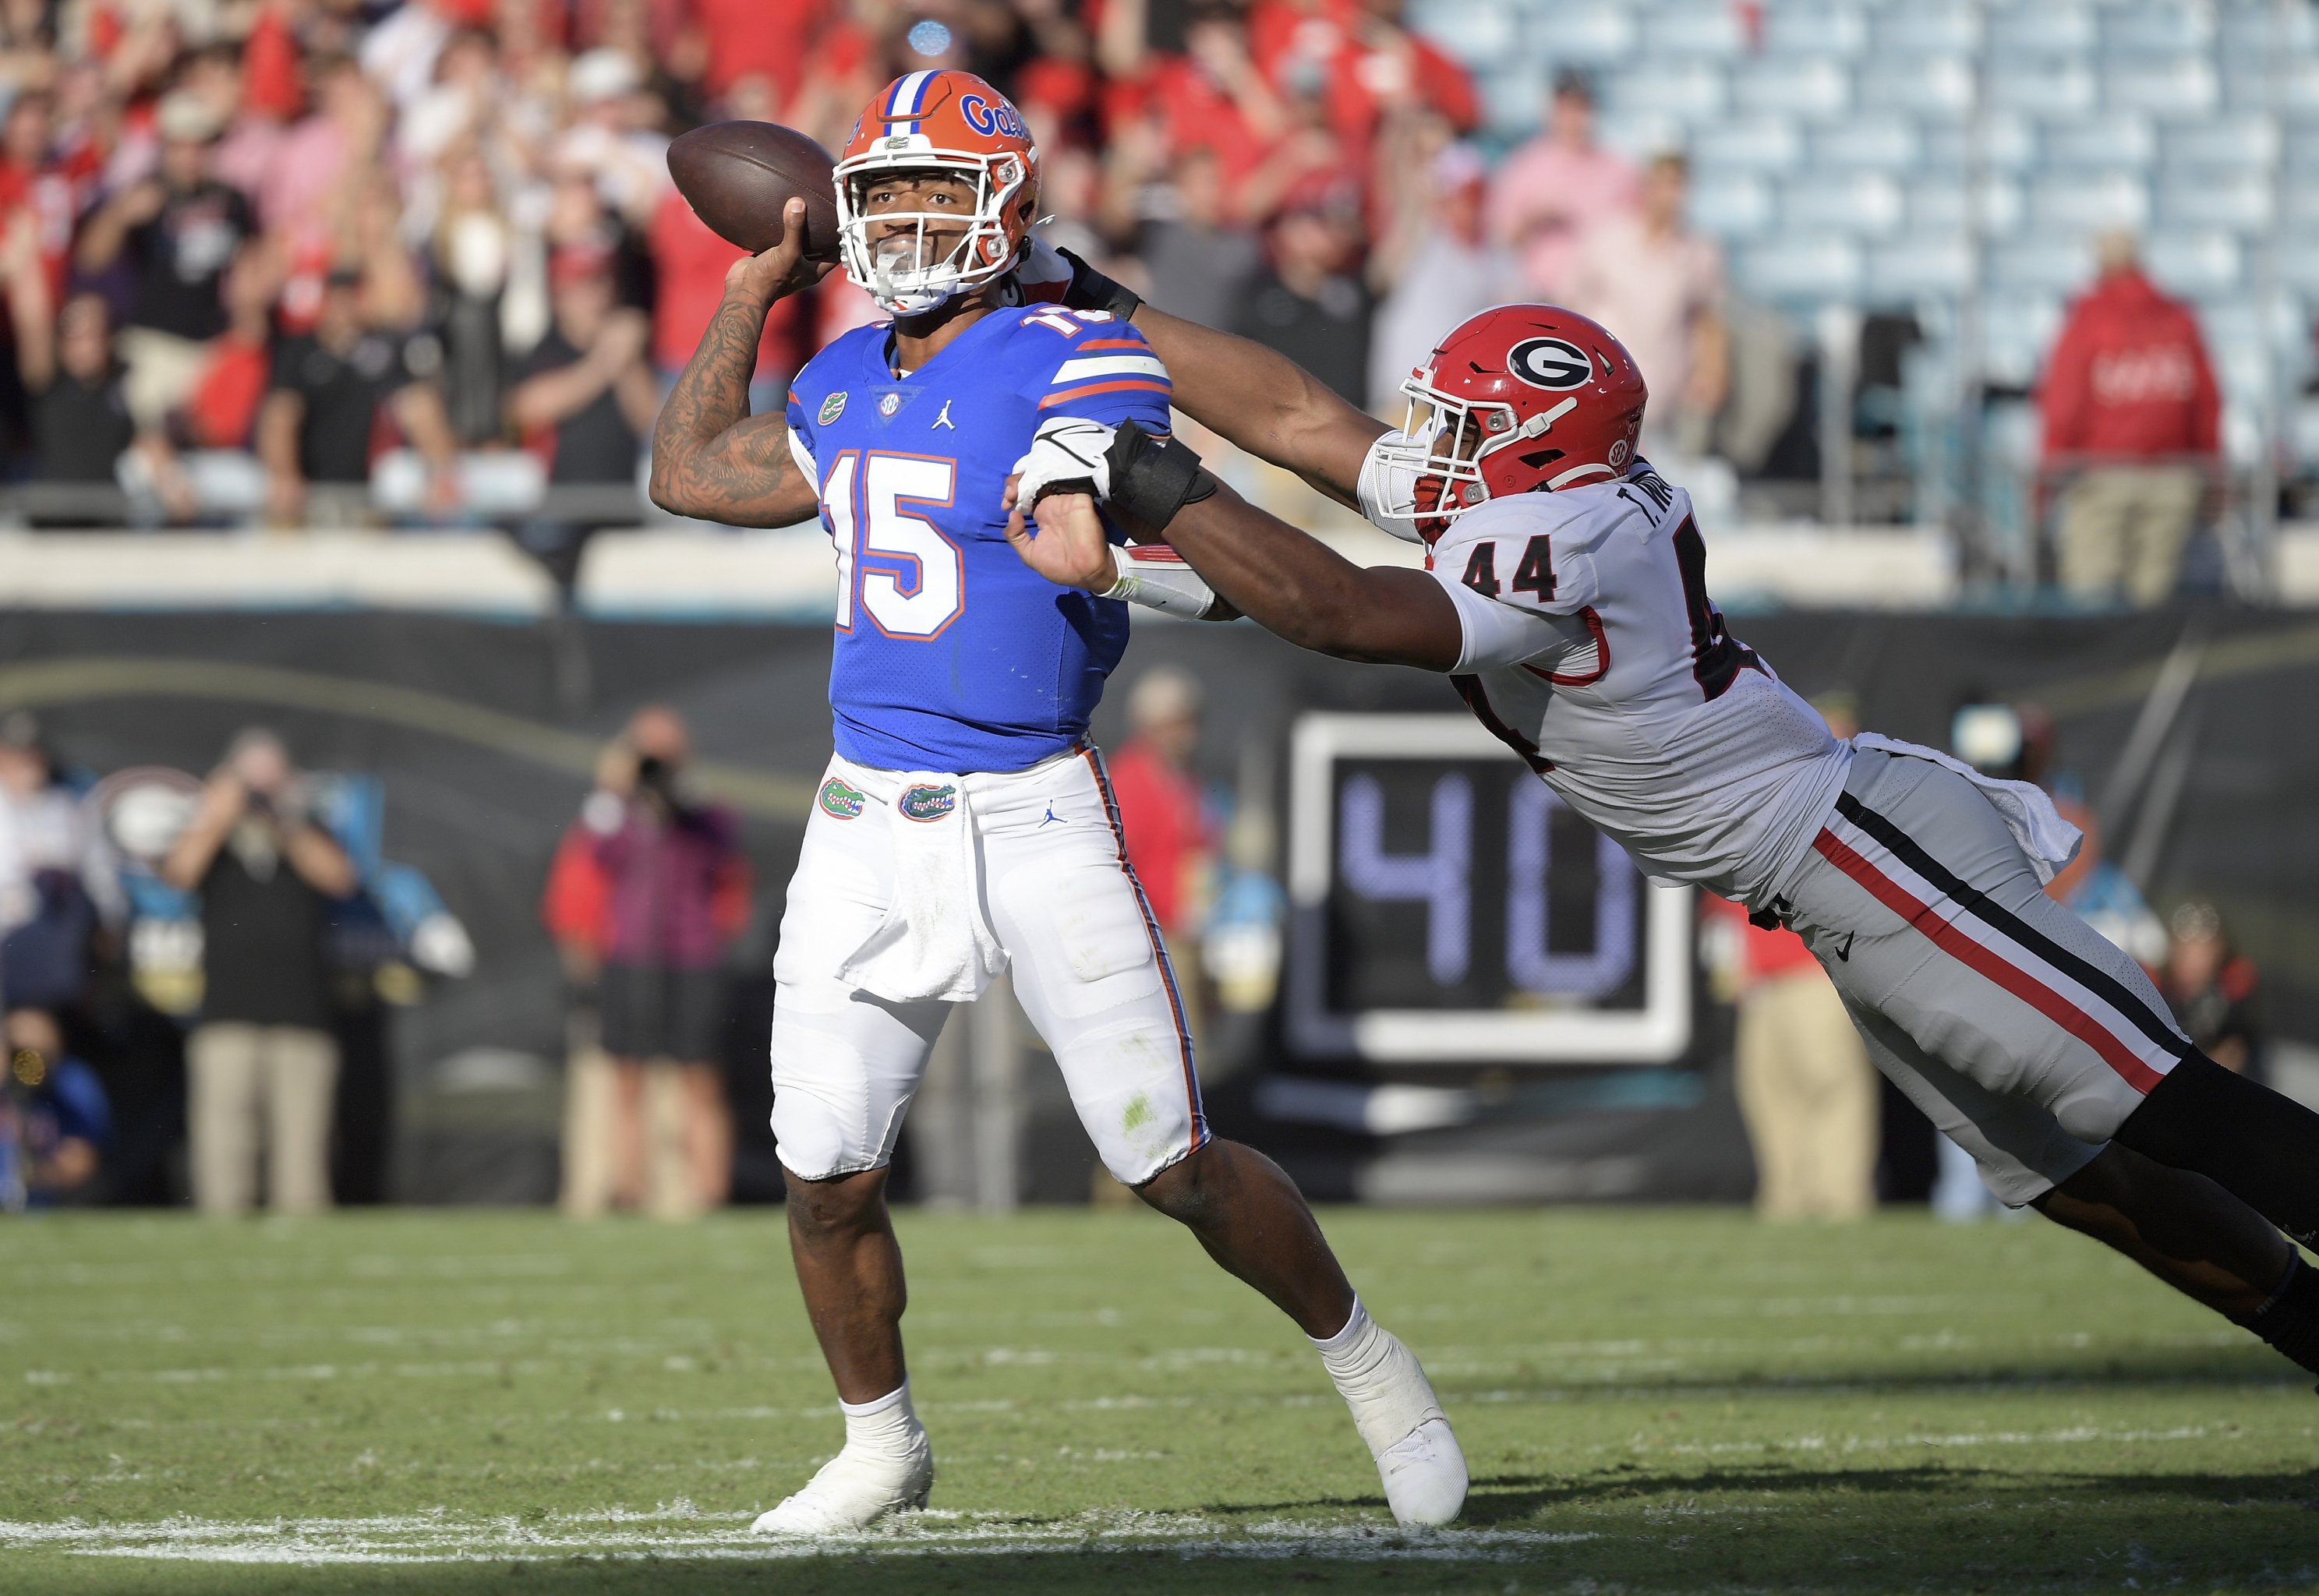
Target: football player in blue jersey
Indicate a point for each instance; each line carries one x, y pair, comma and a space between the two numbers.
961, 683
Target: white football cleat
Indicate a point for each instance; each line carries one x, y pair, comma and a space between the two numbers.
1424, 1475
1417, 1454
853, 1491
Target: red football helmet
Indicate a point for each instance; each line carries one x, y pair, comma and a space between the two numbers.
944, 122
1521, 398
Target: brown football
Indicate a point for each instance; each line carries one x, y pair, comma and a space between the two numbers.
738, 174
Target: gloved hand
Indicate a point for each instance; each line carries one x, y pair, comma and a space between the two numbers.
1067, 454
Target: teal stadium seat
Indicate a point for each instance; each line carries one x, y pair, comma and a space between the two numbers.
1854, 204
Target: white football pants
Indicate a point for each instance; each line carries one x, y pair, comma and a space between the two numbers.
913, 891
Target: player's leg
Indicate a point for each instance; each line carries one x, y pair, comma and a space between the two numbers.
2181, 1227
844, 1067
1951, 936
2260, 1146
2022, 1034
849, 1270
1245, 1211
1093, 979
845, 1064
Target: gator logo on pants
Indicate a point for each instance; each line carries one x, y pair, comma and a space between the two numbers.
842, 801
927, 803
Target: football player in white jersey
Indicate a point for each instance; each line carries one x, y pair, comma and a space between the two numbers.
1565, 595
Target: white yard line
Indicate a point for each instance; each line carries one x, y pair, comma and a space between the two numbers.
681, 1531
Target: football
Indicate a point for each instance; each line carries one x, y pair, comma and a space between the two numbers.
737, 175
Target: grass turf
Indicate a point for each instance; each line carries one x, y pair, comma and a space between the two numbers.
1650, 1401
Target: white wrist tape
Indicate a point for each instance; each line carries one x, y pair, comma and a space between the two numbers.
1155, 576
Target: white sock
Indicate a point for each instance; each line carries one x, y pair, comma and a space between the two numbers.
885, 1424
1353, 1350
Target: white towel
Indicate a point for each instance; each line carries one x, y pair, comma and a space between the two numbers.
935, 942
2048, 841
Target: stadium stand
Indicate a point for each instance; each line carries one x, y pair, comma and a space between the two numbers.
1905, 195
1951, 162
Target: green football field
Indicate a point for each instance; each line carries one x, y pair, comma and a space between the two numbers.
1651, 1401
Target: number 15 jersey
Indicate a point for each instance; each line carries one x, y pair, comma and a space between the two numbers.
1592, 650
951, 655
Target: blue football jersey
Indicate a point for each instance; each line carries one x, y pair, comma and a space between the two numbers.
951, 655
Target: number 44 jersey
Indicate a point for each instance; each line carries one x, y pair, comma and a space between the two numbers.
951, 655
1592, 650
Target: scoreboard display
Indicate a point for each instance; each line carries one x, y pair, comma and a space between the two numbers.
1446, 907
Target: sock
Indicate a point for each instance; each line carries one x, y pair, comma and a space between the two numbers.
2290, 1322
1375, 1375
886, 1424
2259, 1147
1351, 1350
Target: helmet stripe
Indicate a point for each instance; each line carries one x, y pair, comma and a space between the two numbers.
909, 93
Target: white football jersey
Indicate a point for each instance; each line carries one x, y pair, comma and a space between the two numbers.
1592, 650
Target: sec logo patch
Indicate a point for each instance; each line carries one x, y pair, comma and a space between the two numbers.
833, 407
1551, 364
927, 803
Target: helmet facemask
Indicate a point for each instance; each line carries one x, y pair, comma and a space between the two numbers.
1430, 471
897, 258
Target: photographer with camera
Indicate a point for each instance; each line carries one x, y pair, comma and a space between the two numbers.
677, 893
265, 872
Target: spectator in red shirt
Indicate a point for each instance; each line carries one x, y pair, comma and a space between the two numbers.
1164, 829
2130, 408
1214, 97
222, 411
771, 38
689, 266
677, 889
33, 178
1370, 62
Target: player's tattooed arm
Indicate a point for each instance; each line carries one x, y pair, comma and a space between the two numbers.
1263, 401
711, 458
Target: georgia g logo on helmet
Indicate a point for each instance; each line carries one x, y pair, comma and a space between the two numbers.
1552, 364
1519, 399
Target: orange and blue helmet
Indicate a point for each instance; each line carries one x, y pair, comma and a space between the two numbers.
945, 122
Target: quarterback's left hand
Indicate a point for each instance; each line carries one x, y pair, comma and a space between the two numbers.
1070, 548
1066, 454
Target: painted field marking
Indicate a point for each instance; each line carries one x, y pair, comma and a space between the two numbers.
680, 1530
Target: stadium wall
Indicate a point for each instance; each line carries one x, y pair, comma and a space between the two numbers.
484, 731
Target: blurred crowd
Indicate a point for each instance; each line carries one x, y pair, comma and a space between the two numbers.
194, 975
315, 261
252, 247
